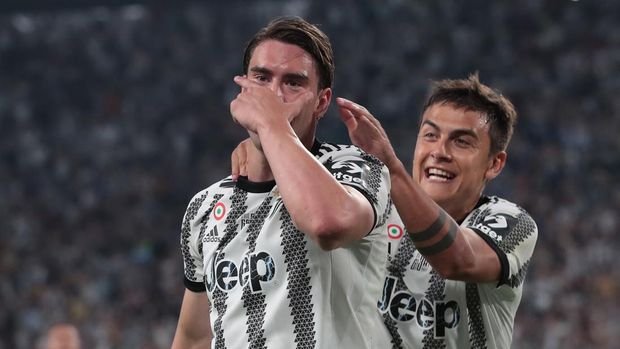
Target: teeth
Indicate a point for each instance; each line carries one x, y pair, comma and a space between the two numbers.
440, 173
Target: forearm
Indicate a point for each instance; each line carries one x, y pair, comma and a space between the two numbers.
181, 342
193, 329
318, 204
434, 233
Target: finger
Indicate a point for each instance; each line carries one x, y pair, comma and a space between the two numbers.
356, 109
360, 112
243, 169
239, 160
244, 82
243, 157
234, 164
348, 118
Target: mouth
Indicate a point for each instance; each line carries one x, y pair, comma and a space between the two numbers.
438, 175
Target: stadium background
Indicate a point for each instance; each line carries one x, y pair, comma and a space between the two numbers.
111, 118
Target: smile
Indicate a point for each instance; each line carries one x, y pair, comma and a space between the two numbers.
438, 174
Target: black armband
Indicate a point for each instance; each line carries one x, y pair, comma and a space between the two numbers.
432, 230
442, 244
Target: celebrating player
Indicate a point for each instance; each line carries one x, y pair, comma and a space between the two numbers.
456, 280
294, 253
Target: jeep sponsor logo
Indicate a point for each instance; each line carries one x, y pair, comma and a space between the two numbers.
253, 270
403, 307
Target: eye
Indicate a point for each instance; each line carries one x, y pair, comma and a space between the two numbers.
294, 84
261, 77
429, 135
462, 142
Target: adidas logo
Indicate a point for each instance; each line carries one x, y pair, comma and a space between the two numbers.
212, 236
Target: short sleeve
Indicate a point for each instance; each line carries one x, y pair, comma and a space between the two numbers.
352, 167
191, 246
512, 233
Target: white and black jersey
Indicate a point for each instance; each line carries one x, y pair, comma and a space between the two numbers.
268, 284
423, 310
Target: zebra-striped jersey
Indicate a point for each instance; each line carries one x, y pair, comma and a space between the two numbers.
268, 284
422, 310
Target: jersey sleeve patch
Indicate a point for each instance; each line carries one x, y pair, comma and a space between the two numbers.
355, 172
496, 226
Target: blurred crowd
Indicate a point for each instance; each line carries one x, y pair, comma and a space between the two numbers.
112, 118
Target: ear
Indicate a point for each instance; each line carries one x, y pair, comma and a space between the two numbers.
496, 165
325, 97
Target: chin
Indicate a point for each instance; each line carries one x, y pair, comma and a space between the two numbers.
438, 194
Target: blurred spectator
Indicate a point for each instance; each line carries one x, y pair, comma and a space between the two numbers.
62, 336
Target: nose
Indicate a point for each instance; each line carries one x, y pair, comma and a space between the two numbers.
441, 152
276, 87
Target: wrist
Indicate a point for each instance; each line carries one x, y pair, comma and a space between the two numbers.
393, 163
275, 132
397, 171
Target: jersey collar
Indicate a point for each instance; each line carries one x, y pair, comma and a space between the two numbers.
245, 184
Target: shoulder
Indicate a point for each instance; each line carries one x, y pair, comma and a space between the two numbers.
494, 205
215, 191
344, 155
326, 150
501, 219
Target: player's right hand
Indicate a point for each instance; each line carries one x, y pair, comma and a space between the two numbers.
366, 131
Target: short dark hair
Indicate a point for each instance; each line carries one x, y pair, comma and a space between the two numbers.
297, 31
470, 94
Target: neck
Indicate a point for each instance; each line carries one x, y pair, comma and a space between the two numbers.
459, 212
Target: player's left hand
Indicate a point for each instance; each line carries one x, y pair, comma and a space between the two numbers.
366, 132
258, 107
239, 159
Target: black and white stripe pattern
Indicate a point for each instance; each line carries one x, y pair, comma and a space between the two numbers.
190, 214
205, 219
219, 297
435, 292
299, 296
397, 267
373, 177
254, 303
477, 333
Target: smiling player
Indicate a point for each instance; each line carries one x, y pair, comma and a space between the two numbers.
456, 279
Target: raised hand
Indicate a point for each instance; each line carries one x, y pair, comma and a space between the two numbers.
257, 106
366, 132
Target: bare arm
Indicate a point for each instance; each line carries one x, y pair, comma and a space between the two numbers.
332, 214
194, 328
454, 252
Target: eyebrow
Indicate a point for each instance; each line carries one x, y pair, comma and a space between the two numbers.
454, 133
301, 77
